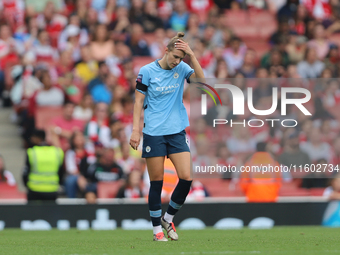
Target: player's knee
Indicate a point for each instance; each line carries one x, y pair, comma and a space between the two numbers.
156, 177
186, 177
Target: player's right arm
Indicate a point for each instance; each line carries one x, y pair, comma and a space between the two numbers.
137, 110
142, 83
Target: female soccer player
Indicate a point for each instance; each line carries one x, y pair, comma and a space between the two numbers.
159, 91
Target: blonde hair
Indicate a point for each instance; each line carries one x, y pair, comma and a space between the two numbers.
171, 44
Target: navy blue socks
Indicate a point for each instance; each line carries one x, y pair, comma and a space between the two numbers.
155, 207
178, 196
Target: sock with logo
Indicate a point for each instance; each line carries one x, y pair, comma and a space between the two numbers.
155, 207
177, 199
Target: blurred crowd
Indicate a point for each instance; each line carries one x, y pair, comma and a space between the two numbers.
83, 56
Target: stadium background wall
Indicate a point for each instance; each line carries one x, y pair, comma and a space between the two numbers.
110, 216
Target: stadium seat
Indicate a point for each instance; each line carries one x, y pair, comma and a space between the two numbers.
261, 47
220, 187
108, 189
10, 192
261, 17
235, 18
44, 115
294, 192
317, 191
246, 31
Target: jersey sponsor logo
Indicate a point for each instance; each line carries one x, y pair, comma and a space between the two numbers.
176, 75
165, 88
139, 78
148, 149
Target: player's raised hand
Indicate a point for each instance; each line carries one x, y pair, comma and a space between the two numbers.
135, 140
181, 45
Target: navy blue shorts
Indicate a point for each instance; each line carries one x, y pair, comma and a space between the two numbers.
164, 145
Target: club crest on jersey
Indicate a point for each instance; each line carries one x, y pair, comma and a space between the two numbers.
176, 75
148, 149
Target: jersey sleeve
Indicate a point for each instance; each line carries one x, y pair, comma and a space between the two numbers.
188, 71
142, 81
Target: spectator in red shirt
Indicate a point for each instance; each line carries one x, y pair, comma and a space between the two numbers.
62, 127
49, 96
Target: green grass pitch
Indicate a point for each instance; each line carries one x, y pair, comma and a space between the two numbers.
279, 240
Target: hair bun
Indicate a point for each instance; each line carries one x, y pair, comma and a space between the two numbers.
180, 34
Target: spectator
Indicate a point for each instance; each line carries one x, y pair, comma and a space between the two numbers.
126, 116
248, 68
101, 46
241, 141
221, 71
234, 55
104, 170
315, 148
43, 172
103, 72
332, 192
180, 16
87, 68
62, 127
332, 59
73, 157
49, 96
104, 92
158, 46
296, 48
126, 161
5, 175
97, 129
292, 155
122, 22
65, 64
43, 51
84, 110
151, 21
319, 43
136, 42
316, 179
311, 67
131, 189
24, 86
336, 154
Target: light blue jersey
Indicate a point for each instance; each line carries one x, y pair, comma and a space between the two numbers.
164, 112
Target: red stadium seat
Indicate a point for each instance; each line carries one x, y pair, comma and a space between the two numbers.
246, 31
108, 189
317, 191
44, 115
294, 192
10, 192
261, 17
261, 47
235, 18
220, 187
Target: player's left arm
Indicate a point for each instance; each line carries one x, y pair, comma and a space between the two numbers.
181, 45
